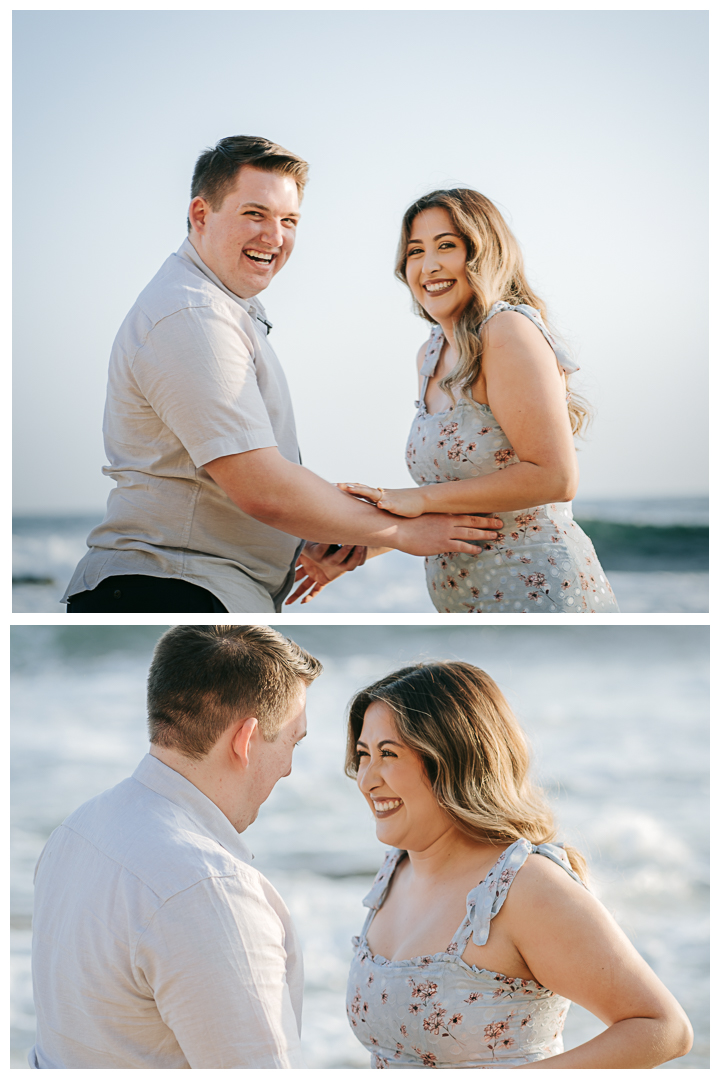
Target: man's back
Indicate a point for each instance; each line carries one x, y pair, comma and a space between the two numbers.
155, 943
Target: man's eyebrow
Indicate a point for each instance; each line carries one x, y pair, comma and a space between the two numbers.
261, 206
439, 235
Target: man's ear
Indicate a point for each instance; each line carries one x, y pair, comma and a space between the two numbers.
241, 740
197, 213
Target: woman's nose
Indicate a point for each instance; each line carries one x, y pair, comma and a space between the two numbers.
366, 778
430, 262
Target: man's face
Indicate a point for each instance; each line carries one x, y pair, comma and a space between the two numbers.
273, 760
250, 238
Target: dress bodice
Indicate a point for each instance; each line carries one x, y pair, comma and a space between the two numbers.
541, 559
440, 1012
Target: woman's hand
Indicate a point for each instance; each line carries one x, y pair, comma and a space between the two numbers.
319, 564
404, 502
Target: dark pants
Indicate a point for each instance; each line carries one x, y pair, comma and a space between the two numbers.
140, 592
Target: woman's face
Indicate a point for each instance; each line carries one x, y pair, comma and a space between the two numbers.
392, 778
435, 267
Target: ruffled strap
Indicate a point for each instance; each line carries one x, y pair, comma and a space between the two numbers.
381, 884
486, 899
563, 357
432, 352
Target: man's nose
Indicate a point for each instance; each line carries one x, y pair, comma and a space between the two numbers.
272, 233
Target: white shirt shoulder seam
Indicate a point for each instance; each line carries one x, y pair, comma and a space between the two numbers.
207, 306
238, 872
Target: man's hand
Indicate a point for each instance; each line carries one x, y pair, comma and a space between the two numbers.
319, 564
405, 502
445, 534
289, 497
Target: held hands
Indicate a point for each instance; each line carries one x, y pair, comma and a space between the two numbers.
429, 533
319, 564
404, 502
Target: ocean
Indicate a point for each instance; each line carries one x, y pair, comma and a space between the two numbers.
617, 718
655, 552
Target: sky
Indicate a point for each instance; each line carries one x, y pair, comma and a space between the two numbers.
587, 129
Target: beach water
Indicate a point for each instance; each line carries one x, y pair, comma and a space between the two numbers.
618, 721
654, 551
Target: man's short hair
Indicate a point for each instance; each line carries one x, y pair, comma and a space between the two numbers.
216, 169
203, 678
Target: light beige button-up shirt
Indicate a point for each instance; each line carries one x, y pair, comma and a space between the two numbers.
156, 945
192, 378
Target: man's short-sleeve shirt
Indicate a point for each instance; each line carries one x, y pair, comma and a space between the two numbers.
156, 944
192, 378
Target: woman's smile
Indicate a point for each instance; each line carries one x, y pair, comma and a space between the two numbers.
435, 267
385, 807
437, 287
386, 766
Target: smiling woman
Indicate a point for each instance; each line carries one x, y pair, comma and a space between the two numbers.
481, 930
495, 416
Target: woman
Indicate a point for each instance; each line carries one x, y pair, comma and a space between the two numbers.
494, 416
449, 973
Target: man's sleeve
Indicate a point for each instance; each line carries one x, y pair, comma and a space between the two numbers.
196, 371
216, 961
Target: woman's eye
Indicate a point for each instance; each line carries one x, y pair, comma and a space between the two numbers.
361, 753
448, 244
414, 251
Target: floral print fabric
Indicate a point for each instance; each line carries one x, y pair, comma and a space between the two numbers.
541, 561
439, 1012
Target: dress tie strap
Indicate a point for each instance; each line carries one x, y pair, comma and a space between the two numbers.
486, 899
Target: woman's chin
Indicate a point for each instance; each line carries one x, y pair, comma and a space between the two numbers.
386, 834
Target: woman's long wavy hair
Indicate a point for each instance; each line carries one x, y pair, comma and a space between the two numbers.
473, 750
495, 272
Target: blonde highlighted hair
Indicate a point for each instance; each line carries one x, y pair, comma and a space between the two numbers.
495, 271
473, 750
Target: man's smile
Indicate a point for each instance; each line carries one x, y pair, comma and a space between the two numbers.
260, 258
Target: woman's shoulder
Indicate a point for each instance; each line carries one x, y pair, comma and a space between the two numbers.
542, 881
509, 325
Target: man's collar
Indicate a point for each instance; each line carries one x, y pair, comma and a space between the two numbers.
160, 778
252, 306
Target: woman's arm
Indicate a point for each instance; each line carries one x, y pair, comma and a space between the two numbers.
572, 945
526, 391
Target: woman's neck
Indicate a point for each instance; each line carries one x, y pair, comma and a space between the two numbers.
448, 327
451, 851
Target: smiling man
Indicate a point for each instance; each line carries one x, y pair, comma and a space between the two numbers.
211, 499
156, 944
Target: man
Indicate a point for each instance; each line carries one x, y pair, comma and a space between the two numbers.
211, 498
156, 945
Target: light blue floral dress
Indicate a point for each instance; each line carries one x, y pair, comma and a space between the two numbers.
541, 561
437, 1011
